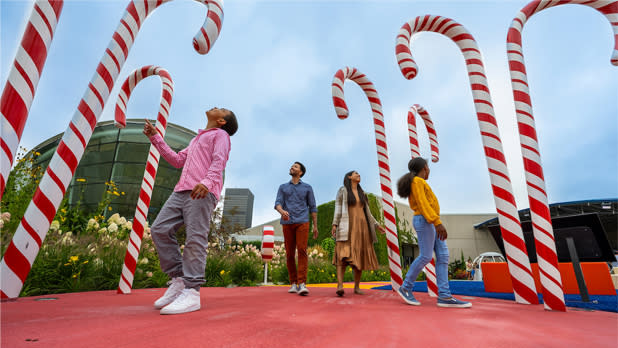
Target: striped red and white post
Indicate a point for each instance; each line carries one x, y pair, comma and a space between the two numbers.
30, 234
150, 173
268, 243
388, 206
430, 275
519, 264
23, 80
430, 268
553, 295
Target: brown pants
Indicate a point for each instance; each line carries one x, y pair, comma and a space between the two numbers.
296, 237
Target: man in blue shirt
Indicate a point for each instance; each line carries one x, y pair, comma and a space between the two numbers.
295, 201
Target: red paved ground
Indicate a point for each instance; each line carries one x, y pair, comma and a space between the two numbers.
270, 317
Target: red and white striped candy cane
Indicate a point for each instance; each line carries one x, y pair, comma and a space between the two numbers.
553, 296
268, 243
432, 282
150, 173
519, 264
385, 173
431, 131
30, 234
23, 79
430, 268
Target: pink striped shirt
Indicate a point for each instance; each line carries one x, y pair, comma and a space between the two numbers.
203, 161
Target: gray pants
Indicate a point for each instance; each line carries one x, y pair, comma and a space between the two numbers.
195, 214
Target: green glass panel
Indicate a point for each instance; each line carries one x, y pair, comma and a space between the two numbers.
98, 154
131, 152
128, 172
177, 139
167, 176
95, 173
133, 134
104, 134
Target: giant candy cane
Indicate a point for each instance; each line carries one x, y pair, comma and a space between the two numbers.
431, 131
519, 264
30, 234
549, 273
385, 175
23, 79
430, 268
150, 173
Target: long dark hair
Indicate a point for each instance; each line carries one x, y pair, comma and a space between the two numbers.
404, 184
348, 186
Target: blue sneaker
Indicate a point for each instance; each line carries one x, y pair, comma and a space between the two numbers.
408, 296
453, 303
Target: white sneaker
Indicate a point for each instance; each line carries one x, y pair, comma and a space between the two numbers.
302, 290
172, 292
293, 289
188, 301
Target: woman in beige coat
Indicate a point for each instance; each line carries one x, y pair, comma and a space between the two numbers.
354, 229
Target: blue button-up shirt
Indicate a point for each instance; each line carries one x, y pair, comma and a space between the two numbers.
298, 200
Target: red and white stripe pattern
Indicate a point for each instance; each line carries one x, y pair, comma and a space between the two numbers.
30, 234
553, 295
519, 264
430, 275
150, 173
430, 268
23, 79
268, 243
431, 131
385, 175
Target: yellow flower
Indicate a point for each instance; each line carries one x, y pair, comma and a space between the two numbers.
74, 258
122, 193
85, 262
67, 264
116, 193
109, 192
74, 275
63, 210
222, 272
80, 180
109, 208
37, 153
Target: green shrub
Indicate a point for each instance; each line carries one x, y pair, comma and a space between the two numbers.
217, 271
328, 244
246, 271
279, 274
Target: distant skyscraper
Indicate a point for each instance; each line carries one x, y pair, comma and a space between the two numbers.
238, 207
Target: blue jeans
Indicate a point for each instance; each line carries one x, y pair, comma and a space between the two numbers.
427, 243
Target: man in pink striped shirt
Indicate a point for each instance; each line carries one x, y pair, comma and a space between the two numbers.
191, 204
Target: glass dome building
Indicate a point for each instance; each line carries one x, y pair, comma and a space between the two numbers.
119, 155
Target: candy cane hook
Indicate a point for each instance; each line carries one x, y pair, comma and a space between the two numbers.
150, 173
549, 273
23, 80
431, 131
30, 234
385, 175
519, 264
430, 268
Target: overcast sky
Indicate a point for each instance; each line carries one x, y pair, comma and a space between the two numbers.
273, 65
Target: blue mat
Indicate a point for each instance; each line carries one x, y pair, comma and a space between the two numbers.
605, 303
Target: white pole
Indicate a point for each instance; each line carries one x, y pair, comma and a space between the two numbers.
265, 273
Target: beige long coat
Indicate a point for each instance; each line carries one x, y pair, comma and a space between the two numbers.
342, 219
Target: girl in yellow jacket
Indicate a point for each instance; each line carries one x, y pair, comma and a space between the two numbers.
430, 232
